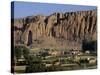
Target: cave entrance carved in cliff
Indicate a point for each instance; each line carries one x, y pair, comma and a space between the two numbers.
29, 38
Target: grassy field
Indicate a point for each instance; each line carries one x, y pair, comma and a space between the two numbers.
19, 69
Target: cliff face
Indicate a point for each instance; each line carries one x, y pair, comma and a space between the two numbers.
58, 29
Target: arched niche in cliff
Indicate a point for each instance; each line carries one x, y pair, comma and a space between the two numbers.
53, 32
29, 38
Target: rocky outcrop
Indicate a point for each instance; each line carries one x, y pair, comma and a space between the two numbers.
56, 30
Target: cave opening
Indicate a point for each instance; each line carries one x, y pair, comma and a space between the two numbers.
29, 38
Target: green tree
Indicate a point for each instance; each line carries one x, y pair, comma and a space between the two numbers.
35, 68
34, 64
21, 50
90, 45
17, 52
25, 52
83, 63
53, 68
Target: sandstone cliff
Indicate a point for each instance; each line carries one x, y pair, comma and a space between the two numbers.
56, 30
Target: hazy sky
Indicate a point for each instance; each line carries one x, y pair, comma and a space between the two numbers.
23, 9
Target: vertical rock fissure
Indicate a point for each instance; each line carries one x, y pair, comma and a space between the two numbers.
29, 38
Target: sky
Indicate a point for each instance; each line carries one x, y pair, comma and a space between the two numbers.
24, 9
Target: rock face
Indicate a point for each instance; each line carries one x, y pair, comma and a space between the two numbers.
65, 30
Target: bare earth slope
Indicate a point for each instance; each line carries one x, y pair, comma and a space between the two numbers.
60, 30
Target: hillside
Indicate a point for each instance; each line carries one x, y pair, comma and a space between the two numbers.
59, 30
